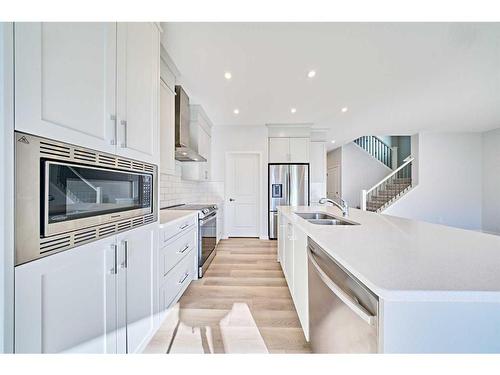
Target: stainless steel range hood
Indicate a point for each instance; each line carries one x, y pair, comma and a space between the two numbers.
185, 149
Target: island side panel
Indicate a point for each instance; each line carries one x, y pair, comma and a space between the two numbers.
439, 327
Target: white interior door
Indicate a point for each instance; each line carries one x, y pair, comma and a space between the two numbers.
242, 195
333, 183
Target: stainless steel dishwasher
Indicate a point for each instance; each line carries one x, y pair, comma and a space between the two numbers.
343, 313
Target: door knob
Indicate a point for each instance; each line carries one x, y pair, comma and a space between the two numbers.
231, 200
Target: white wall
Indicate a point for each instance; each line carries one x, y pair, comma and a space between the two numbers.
491, 182
359, 171
241, 139
6, 189
449, 181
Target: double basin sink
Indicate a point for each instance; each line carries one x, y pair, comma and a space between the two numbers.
321, 218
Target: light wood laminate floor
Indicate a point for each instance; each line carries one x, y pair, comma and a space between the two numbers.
241, 305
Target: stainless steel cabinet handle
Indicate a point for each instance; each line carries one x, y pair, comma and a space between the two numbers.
125, 261
114, 270
184, 226
184, 278
184, 250
113, 119
124, 124
344, 297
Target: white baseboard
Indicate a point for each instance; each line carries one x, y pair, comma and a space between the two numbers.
264, 237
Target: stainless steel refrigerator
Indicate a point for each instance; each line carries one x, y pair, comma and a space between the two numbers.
288, 186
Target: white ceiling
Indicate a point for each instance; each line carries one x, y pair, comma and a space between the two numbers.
395, 78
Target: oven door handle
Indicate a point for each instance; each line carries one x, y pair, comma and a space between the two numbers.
208, 219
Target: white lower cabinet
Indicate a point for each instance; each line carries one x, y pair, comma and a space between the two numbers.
177, 262
173, 284
292, 255
300, 279
95, 298
282, 223
289, 255
67, 302
135, 290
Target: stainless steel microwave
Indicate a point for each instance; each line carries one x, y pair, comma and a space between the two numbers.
68, 195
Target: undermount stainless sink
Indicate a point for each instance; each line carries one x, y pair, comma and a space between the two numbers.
315, 215
321, 218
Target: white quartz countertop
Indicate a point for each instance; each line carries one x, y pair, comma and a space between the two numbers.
401, 259
169, 216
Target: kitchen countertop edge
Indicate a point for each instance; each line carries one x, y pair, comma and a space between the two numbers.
387, 294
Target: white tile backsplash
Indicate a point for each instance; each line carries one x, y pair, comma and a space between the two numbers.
175, 190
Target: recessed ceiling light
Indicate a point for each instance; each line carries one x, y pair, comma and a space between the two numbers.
293, 110
333, 141
311, 73
227, 75
344, 110
236, 111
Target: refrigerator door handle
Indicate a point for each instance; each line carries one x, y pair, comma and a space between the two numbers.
288, 186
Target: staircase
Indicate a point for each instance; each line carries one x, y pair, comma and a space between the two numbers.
390, 189
377, 149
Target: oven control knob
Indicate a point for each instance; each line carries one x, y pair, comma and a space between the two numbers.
205, 210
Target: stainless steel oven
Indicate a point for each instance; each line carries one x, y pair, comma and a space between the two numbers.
207, 241
68, 195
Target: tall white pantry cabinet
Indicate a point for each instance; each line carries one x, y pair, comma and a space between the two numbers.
95, 85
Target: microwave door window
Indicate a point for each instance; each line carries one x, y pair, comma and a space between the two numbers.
75, 192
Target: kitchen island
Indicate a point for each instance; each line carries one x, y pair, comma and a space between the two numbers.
438, 287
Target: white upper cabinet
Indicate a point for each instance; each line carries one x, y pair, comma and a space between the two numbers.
138, 72
95, 85
288, 150
167, 129
299, 150
279, 150
65, 82
67, 302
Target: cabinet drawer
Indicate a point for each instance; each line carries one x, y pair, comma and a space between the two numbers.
176, 280
177, 249
180, 226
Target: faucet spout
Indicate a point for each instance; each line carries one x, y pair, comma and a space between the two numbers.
342, 205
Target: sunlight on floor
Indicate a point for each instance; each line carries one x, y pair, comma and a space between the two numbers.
241, 305
236, 328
